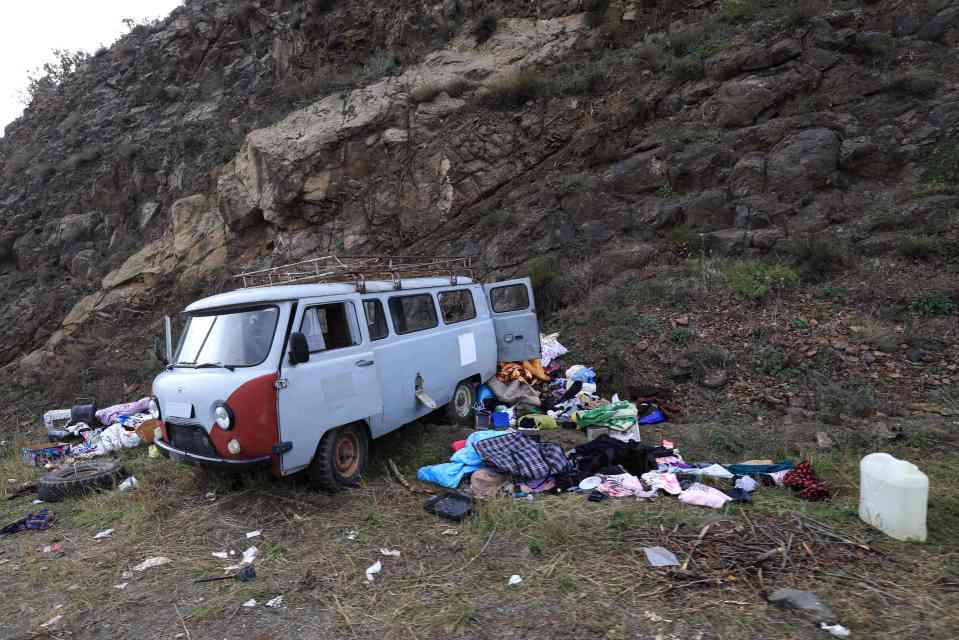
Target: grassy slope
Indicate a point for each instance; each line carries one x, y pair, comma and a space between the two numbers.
583, 571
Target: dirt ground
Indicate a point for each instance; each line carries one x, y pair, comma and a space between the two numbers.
584, 574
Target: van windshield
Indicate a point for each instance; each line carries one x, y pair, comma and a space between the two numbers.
231, 339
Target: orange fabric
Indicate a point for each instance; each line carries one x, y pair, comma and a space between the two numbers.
535, 368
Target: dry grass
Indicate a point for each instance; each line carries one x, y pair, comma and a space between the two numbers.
573, 556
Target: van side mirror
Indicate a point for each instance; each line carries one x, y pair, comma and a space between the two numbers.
158, 350
299, 349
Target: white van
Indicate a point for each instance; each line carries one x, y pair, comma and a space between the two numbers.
303, 376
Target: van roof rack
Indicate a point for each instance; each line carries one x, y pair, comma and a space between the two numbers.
358, 270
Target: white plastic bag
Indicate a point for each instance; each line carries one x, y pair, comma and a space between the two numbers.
551, 348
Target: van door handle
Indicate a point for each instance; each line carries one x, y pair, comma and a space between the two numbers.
518, 337
364, 363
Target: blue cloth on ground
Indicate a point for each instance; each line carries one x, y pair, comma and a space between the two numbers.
466, 460
758, 469
653, 417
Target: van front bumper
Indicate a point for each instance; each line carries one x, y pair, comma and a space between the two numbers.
206, 461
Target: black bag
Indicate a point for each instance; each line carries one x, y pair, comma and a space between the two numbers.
84, 410
452, 505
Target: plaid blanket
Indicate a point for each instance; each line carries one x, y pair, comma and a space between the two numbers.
517, 455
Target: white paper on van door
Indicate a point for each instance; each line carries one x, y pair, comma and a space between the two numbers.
467, 349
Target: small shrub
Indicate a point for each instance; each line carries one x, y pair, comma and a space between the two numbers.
425, 93
585, 80
740, 10
681, 336
456, 88
755, 280
513, 91
943, 164
924, 249
381, 64
833, 399
889, 221
687, 69
937, 304
818, 259
878, 335
322, 6
776, 362
799, 12
921, 85
798, 323
543, 270
650, 55
596, 11
100, 52
485, 28
682, 41
646, 323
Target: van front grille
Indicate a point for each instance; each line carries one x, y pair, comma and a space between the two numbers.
190, 436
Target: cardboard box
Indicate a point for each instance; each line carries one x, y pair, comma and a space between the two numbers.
147, 429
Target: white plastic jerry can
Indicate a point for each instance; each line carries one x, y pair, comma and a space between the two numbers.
893, 496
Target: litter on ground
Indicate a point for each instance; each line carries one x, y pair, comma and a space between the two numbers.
275, 603
150, 563
373, 569
106, 533
390, 552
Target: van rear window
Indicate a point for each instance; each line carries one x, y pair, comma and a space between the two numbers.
413, 313
512, 297
457, 306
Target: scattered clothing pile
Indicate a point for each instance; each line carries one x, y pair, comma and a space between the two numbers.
527, 398
545, 394
95, 433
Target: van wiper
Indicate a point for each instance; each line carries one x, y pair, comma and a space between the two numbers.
212, 365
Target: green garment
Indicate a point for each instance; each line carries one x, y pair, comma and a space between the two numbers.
618, 416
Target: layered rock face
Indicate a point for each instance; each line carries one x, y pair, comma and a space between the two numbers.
238, 134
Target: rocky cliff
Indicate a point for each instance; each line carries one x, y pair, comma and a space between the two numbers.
582, 141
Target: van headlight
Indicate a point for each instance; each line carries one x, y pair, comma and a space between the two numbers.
223, 416
154, 408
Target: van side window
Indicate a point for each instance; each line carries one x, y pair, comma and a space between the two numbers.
457, 306
413, 313
510, 298
328, 327
375, 319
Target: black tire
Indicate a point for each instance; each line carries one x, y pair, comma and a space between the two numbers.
340, 458
459, 409
78, 479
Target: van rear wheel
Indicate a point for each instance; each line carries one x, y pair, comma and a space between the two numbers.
460, 407
341, 458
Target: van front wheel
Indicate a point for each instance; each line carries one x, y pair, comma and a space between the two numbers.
460, 407
340, 458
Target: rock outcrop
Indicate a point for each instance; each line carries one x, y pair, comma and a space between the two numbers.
235, 134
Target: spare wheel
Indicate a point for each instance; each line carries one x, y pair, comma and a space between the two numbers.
79, 478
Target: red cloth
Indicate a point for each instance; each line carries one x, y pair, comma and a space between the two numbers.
802, 477
459, 444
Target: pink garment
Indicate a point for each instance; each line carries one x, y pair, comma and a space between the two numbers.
778, 477
703, 496
670, 460
109, 415
665, 481
458, 444
618, 486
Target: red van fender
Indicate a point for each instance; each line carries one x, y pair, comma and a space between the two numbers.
257, 425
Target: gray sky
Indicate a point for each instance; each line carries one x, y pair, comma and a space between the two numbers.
31, 29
